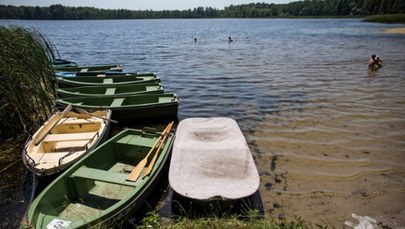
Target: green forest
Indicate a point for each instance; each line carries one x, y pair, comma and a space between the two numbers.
306, 8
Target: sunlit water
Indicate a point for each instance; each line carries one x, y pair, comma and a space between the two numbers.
328, 138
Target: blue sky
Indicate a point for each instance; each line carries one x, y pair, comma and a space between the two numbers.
139, 4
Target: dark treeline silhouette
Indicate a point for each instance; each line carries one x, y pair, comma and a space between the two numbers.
253, 10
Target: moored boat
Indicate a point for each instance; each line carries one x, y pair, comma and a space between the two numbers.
114, 90
60, 63
99, 74
211, 161
98, 68
130, 108
98, 189
106, 81
63, 139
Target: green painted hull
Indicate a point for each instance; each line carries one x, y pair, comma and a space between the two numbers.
118, 90
102, 68
95, 189
99, 74
59, 63
130, 108
105, 81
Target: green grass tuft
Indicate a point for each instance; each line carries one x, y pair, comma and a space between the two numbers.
252, 222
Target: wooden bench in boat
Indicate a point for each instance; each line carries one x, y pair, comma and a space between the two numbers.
110, 91
117, 102
102, 175
108, 80
78, 121
52, 159
70, 137
137, 141
165, 99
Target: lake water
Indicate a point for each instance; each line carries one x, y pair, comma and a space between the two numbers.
328, 137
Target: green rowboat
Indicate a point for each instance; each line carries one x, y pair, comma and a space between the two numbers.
99, 74
105, 81
97, 189
59, 63
131, 108
102, 68
118, 90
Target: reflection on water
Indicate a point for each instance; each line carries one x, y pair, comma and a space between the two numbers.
328, 138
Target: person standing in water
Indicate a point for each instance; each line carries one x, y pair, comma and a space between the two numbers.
374, 63
377, 62
230, 39
371, 61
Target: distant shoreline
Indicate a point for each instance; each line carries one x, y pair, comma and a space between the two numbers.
395, 31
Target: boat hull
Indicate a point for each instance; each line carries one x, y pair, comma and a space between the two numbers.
97, 74
64, 141
211, 162
123, 90
105, 80
101, 68
95, 190
129, 108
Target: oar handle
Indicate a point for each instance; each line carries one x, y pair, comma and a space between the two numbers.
133, 176
152, 163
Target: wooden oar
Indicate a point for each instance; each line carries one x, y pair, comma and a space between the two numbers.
133, 176
65, 111
152, 163
81, 111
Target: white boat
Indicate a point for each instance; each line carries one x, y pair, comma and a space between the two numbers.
211, 161
63, 139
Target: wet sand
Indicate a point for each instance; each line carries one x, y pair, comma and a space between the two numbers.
323, 164
395, 31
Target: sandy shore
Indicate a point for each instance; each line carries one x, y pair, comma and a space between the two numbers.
324, 164
395, 31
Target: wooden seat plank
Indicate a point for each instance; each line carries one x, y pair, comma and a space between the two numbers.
70, 137
102, 175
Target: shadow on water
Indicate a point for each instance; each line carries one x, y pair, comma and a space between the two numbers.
179, 206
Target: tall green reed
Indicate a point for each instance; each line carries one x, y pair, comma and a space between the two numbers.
26, 84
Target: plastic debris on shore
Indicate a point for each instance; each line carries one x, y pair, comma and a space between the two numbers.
365, 222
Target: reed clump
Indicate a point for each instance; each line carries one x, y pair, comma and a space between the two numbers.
386, 18
26, 84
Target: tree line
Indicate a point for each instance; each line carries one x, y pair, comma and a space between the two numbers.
309, 8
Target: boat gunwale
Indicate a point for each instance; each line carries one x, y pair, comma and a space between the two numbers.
128, 202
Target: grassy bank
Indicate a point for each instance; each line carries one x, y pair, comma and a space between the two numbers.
387, 18
152, 220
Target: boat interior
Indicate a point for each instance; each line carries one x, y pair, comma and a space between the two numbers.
70, 137
98, 182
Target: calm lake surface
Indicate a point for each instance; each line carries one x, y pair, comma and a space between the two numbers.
328, 137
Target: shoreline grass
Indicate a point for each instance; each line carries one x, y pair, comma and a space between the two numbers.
153, 220
27, 85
